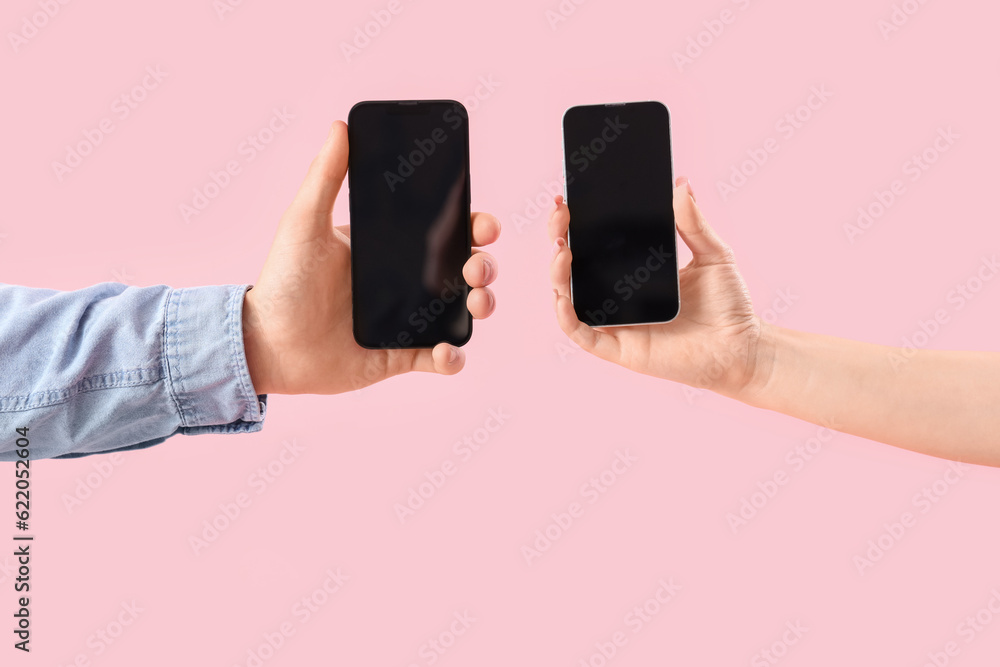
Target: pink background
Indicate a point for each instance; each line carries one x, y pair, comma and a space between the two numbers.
117, 217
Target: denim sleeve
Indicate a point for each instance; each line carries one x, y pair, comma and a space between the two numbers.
111, 367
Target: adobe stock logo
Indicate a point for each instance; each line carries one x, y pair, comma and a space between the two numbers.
537, 204
231, 510
108, 634
630, 283
968, 629
586, 154
423, 149
713, 29
121, 107
249, 149
223, 7
562, 12
435, 647
38, 20
779, 648
781, 304
303, 610
364, 34
437, 477
591, 490
900, 16
959, 297
788, 125
635, 620
797, 457
894, 531
454, 116
913, 168
104, 467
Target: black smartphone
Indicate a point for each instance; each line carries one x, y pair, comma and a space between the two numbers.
411, 232
619, 189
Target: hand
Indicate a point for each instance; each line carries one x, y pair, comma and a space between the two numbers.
712, 344
297, 324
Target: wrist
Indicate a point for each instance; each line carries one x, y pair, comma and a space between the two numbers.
759, 367
751, 368
253, 347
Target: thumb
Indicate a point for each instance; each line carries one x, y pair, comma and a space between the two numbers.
705, 244
326, 174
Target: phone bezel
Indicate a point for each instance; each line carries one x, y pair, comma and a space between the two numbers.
395, 104
670, 138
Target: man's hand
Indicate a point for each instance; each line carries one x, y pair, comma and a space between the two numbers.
297, 328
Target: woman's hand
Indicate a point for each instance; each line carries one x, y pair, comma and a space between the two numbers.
711, 344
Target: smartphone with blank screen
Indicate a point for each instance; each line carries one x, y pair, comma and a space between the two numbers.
410, 199
619, 189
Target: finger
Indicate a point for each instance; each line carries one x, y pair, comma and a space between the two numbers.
705, 244
559, 269
481, 302
599, 343
485, 229
444, 359
559, 220
686, 182
481, 269
326, 173
344, 229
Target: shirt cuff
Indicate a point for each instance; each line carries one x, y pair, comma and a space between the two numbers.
207, 374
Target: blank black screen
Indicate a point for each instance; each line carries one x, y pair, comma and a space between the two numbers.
410, 229
619, 190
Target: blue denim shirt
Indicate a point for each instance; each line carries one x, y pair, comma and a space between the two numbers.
112, 367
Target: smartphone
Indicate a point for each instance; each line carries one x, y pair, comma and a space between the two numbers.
619, 189
410, 198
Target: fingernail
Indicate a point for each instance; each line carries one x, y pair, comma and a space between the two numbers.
557, 246
690, 190
489, 270
452, 355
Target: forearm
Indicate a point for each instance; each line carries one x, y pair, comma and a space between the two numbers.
111, 367
945, 404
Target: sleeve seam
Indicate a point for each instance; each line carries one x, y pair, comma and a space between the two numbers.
168, 375
236, 347
130, 377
